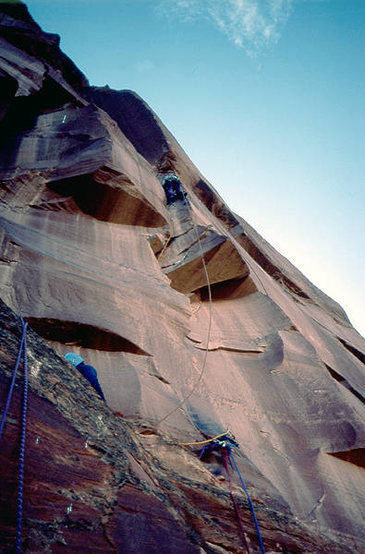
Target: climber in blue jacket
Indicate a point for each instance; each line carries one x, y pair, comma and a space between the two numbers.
88, 371
173, 189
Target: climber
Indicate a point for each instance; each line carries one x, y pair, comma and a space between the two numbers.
172, 186
88, 371
219, 446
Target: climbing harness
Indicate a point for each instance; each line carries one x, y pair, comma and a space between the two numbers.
224, 444
22, 350
185, 398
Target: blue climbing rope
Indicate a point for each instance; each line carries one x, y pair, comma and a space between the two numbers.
231, 459
10, 393
22, 447
22, 350
226, 454
225, 443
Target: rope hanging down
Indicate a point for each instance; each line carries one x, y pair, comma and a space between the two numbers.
185, 398
22, 449
231, 459
22, 350
224, 445
240, 522
10, 393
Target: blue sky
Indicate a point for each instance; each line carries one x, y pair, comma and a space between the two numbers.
268, 99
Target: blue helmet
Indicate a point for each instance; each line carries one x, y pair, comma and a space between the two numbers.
73, 358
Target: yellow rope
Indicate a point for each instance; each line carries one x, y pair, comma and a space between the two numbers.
204, 442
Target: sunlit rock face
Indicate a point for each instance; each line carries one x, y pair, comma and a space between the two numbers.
99, 264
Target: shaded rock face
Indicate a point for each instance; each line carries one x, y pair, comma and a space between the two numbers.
99, 264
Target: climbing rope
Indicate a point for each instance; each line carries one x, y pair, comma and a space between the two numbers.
10, 393
224, 444
231, 459
185, 398
22, 449
226, 456
211, 444
22, 350
207, 441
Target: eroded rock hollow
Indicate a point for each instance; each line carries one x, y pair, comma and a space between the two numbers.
98, 262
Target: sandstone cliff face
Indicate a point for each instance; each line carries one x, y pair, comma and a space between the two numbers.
99, 264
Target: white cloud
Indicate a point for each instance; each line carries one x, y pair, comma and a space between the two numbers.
249, 24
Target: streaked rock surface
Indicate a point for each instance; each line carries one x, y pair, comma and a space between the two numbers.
98, 263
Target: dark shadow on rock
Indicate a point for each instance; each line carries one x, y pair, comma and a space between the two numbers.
355, 456
229, 290
344, 383
109, 203
80, 334
134, 118
214, 203
359, 355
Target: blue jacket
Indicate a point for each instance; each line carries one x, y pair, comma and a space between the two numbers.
89, 372
172, 187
